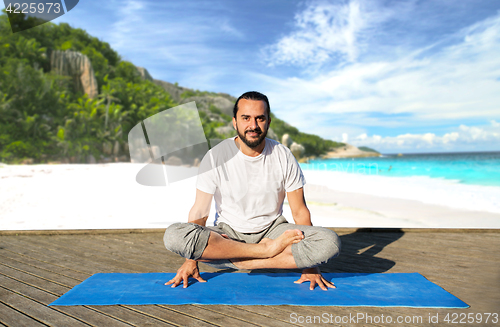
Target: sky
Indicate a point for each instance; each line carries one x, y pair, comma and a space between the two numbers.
397, 76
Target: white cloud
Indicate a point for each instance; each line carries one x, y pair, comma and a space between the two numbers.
175, 41
432, 85
345, 138
323, 31
228, 28
359, 64
464, 137
127, 22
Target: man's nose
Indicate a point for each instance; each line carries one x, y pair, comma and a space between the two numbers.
253, 123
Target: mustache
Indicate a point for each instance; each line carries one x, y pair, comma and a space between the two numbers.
258, 131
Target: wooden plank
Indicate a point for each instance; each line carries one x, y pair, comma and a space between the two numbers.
49, 275
67, 250
364, 316
148, 252
11, 317
453, 267
270, 312
344, 315
460, 260
209, 315
37, 311
400, 254
149, 242
172, 316
42, 265
239, 312
134, 317
290, 313
444, 241
87, 315
113, 311
78, 263
117, 312
32, 280
459, 244
177, 318
146, 257
79, 232
154, 239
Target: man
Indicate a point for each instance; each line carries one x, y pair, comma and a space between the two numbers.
249, 175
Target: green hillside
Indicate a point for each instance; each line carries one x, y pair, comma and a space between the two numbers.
367, 149
46, 117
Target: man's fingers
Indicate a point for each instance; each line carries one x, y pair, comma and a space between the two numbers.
322, 284
175, 282
198, 278
183, 278
300, 281
329, 284
313, 283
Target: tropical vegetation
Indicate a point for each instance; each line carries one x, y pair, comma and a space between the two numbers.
45, 117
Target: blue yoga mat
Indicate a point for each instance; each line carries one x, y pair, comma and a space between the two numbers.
353, 289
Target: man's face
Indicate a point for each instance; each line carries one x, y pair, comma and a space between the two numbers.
251, 122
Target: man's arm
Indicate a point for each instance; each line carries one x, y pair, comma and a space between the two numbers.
201, 208
300, 212
198, 215
302, 216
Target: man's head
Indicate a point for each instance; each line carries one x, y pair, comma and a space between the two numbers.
251, 118
252, 95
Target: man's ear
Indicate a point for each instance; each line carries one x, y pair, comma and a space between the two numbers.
234, 123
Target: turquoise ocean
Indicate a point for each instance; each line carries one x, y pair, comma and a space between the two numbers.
473, 168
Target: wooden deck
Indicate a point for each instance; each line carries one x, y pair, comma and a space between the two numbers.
37, 269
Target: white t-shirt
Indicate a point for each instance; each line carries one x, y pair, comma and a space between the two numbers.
249, 191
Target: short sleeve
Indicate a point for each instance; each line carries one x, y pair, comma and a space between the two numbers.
294, 178
207, 175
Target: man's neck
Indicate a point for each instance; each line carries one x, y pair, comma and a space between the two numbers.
251, 152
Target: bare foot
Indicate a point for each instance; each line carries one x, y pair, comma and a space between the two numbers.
277, 246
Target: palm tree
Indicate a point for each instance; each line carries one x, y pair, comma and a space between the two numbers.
107, 95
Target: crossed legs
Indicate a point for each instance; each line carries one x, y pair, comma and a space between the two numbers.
283, 245
220, 247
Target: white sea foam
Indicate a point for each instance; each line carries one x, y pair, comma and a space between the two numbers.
421, 188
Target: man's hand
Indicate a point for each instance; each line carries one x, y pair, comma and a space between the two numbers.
188, 268
313, 275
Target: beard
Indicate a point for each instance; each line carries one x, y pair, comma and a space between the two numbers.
255, 143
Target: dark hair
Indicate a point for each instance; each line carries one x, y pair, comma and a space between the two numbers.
252, 95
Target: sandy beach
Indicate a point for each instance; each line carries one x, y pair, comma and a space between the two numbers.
107, 196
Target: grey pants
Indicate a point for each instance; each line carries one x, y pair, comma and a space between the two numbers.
318, 246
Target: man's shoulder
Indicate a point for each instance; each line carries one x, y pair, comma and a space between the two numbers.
276, 147
216, 144
222, 151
